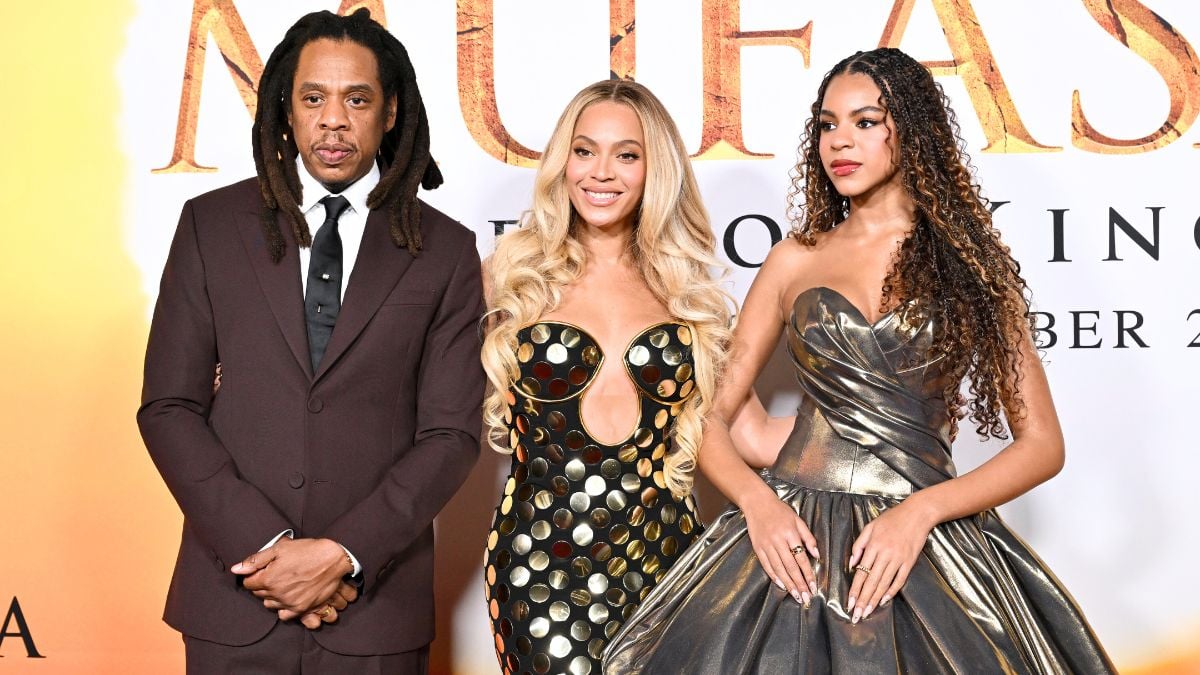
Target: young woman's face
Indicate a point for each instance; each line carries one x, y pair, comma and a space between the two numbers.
606, 170
857, 142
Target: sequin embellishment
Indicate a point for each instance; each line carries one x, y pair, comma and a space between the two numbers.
585, 530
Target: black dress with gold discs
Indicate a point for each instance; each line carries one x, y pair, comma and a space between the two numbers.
584, 530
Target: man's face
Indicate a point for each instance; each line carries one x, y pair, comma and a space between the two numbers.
338, 112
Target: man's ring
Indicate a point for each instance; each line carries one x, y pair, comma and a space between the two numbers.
864, 570
798, 549
324, 613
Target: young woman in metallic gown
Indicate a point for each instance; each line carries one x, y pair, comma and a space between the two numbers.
861, 550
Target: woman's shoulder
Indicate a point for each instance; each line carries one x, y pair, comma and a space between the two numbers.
788, 257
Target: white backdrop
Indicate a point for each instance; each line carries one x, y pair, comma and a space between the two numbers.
1116, 525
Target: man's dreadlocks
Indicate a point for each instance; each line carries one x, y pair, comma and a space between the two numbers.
404, 152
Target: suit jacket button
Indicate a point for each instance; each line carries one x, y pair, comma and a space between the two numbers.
296, 480
315, 405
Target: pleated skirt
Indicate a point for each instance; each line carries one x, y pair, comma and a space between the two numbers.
977, 601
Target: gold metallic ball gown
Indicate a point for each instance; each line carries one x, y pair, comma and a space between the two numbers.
584, 530
872, 428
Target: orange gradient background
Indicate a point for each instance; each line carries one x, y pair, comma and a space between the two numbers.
89, 530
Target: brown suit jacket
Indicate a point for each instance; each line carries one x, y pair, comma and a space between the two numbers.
365, 451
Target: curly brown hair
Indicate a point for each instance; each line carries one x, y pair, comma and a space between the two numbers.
952, 266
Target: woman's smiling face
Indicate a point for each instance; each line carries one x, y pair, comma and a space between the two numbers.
606, 168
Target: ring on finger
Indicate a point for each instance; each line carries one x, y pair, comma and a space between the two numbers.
798, 549
864, 570
325, 611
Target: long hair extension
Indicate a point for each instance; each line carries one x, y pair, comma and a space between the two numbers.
953, 265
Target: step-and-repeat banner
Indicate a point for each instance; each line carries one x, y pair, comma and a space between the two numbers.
1080, 116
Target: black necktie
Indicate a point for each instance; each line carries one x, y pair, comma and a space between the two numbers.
324, 296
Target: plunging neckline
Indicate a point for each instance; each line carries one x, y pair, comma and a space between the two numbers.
637, 390
874, 325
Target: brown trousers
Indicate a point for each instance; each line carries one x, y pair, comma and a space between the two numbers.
291, 649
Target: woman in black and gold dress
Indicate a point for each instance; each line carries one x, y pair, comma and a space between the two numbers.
607, 335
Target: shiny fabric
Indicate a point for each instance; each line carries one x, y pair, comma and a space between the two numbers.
872, 428
584, 530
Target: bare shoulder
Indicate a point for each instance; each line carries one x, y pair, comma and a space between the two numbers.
787, 251
787, 264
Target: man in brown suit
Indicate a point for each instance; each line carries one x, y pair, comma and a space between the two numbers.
342, 312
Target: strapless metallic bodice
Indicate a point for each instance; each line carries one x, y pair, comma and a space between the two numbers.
873, 419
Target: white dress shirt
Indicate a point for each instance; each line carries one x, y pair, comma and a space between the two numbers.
351, 224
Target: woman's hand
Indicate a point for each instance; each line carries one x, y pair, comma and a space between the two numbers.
783, 544
883, 555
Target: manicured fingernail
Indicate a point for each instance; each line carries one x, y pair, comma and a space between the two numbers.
868, 611
812, 586
806, 597
780, 585
850, 605
815, 553
886, 599
857, 616
796, 596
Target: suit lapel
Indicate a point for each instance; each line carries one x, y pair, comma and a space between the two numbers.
379, 266
280, 283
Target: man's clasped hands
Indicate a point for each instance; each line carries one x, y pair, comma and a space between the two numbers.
301, 578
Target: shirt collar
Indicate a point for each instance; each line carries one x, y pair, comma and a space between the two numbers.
313, 192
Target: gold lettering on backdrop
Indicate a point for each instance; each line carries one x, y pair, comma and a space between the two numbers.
477, 74
721, 137
220, 19
477, 85
973, 62
622, 52
1159, 44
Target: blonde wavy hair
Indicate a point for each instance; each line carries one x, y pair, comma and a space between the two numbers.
672, 247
